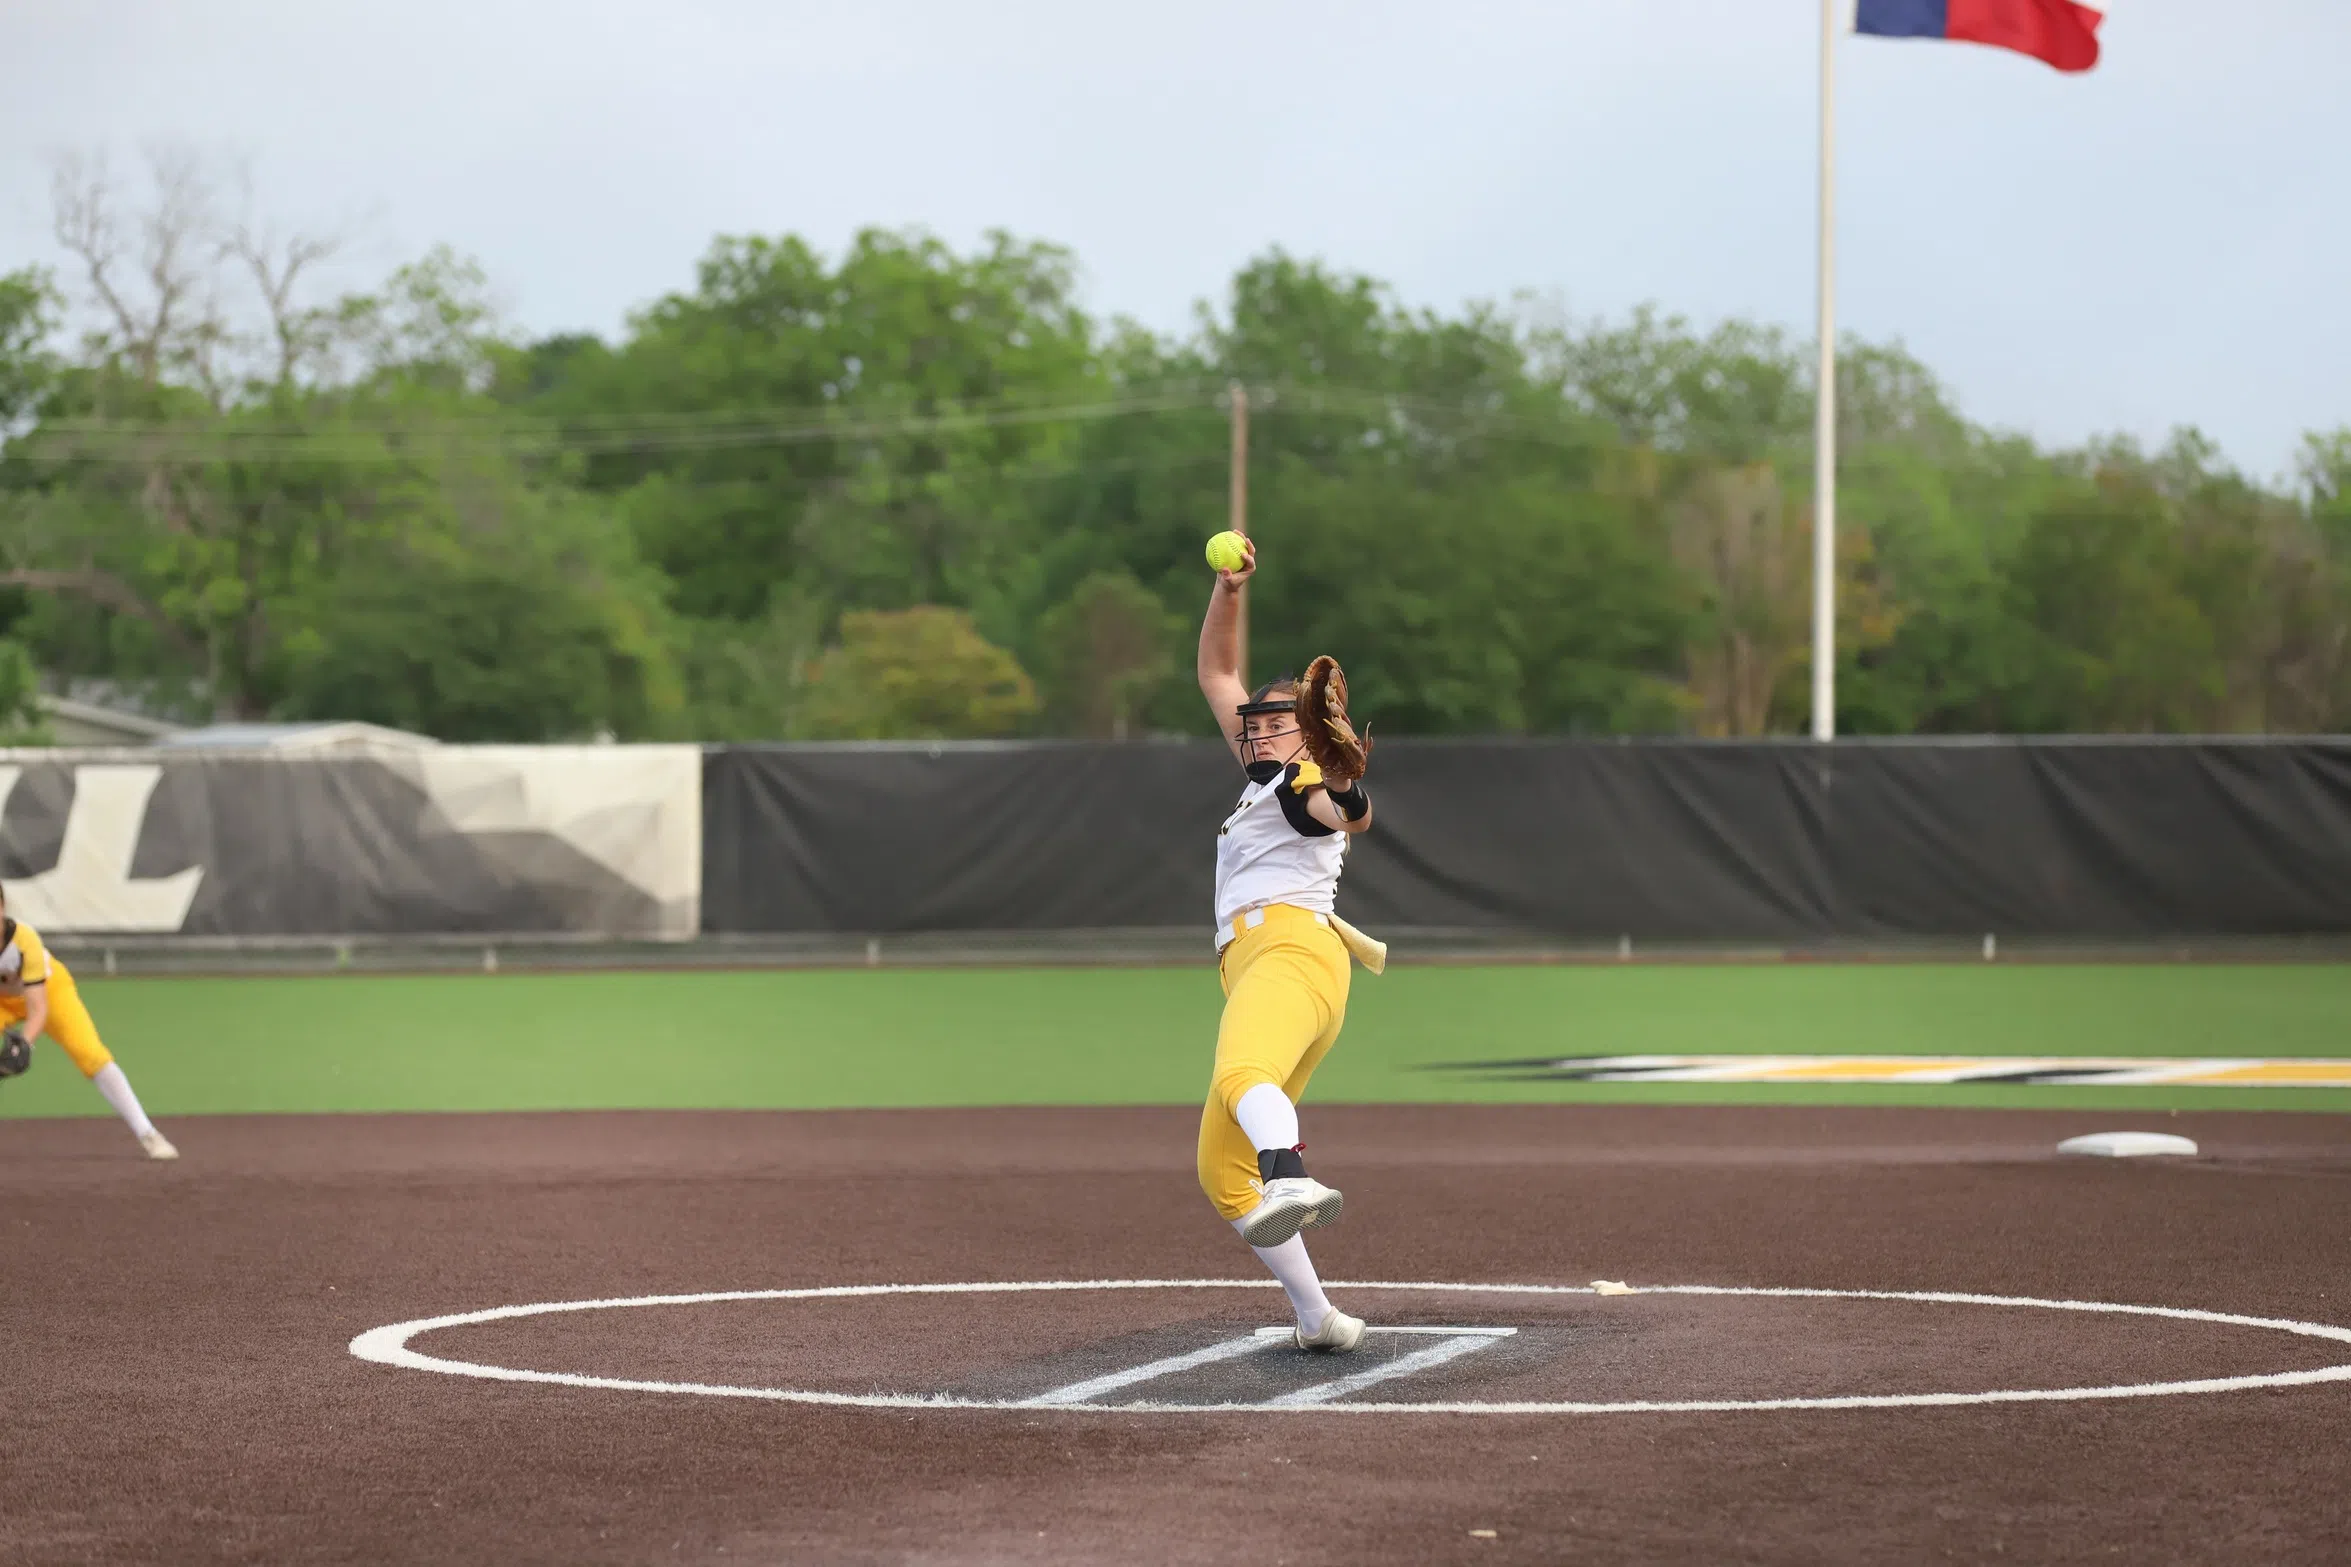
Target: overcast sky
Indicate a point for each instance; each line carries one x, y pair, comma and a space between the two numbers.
2164, 241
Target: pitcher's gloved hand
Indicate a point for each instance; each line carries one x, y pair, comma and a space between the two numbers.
1330, 739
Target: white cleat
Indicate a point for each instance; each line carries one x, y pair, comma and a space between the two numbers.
1291, 1204
158, 1146
1338, 1334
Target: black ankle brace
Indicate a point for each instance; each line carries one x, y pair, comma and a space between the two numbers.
1275, 1164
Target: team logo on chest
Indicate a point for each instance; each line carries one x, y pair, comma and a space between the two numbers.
1247, 800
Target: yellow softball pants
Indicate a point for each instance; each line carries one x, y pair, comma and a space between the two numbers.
1285, 989
70, 1023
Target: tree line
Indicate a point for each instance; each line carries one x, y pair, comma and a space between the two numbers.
916, 491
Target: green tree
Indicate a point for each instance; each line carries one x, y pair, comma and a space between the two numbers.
298, 505
28, 304
747, 678
543, 630
1107, 650
923, 673
934, 460
791, 419
1427, 509
2326, 478
1738, 394
2114, 640
830, 435
21, 721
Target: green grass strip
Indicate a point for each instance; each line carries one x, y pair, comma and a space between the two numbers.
892, 1037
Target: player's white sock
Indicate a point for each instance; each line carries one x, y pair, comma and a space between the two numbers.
1290, 1264
117, 1089
1268, 1117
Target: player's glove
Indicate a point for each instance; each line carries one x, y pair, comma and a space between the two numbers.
16, 1051
1330, 740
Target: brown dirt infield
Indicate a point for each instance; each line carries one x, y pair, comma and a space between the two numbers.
175, 1384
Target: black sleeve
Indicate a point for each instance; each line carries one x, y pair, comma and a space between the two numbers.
1294, 807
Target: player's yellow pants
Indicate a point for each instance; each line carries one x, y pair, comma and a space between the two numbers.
70, 1023
1285, 988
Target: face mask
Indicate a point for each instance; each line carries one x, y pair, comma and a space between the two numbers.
1263, 772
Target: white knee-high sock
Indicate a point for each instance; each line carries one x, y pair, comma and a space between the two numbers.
117, 1089
1268, 1117
1290, 1264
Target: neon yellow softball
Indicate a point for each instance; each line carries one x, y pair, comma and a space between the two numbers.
1228, 551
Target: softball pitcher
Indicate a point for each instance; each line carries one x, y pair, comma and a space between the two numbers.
38, 995
1282, 952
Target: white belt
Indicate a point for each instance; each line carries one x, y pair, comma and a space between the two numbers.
1250, 919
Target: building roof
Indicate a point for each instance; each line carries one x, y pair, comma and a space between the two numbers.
294, 737
88, 723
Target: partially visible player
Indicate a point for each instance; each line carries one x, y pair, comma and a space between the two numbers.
37, 996
1284, 967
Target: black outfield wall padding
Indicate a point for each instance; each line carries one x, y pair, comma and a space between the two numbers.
1779, 842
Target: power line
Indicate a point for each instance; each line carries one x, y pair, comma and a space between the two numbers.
71, 440
387, 440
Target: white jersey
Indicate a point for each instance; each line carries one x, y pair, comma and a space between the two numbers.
1271, 851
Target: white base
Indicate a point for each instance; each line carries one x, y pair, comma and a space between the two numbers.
2129, 1145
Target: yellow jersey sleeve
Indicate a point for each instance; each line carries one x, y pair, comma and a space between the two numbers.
36, 956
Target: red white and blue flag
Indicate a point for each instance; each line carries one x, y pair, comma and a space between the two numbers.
2062, 32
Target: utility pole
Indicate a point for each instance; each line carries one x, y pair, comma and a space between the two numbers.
1237, 509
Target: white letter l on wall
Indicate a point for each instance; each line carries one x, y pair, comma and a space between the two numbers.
90, 888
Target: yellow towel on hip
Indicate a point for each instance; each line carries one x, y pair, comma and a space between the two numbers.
1371, 954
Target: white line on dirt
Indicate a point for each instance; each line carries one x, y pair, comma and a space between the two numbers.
1112, 1381
389, 1345
1408, 1328
1402, 1366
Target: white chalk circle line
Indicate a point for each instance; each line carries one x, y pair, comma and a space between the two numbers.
389, 1346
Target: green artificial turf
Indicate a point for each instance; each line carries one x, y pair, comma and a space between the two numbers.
879, 1037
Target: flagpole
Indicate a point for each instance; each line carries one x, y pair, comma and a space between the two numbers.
1824, 433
